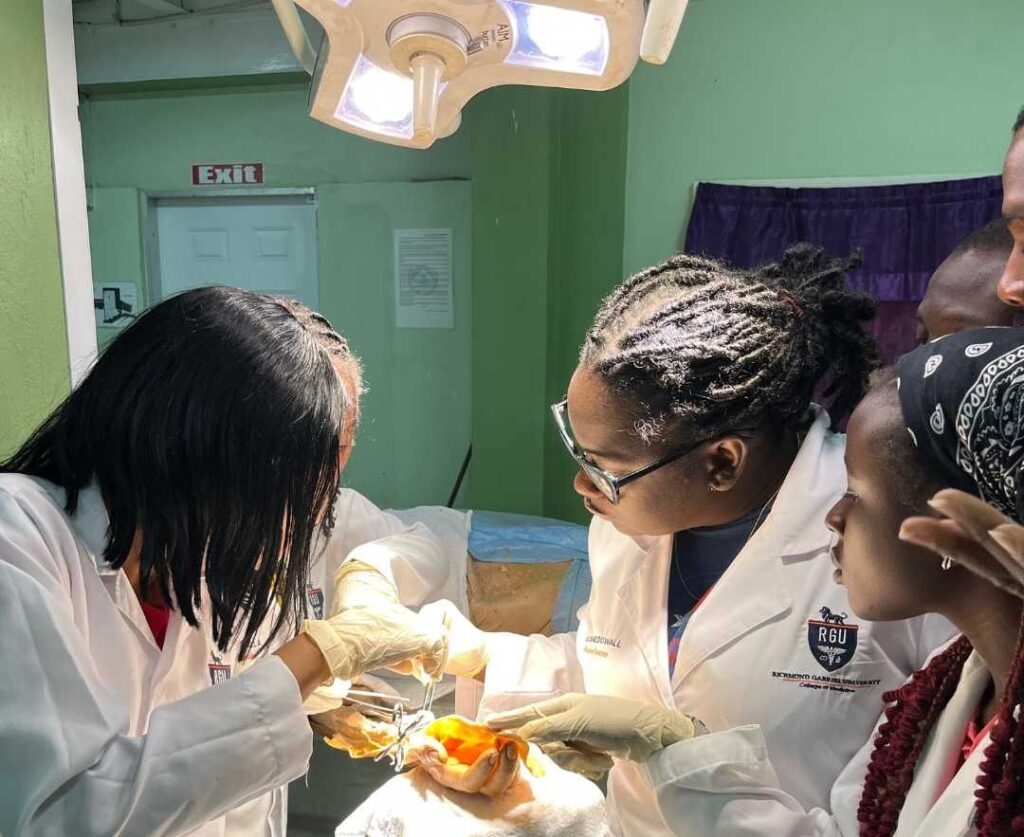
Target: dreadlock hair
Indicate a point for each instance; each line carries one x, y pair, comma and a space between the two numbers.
698, 343
211, 426
913, 709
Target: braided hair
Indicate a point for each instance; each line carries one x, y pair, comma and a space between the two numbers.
698, 343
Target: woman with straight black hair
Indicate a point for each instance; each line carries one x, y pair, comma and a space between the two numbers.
156, 534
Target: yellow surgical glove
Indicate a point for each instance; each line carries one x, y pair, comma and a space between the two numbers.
616, 726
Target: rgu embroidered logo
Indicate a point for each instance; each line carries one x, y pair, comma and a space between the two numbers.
831, 640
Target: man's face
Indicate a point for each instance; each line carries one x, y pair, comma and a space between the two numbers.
1011, 285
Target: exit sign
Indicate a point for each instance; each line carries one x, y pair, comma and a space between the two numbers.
227, 174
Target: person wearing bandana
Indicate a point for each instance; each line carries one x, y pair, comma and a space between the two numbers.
947, 758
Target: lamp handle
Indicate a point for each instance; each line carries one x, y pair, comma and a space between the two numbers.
660, 29
295, 32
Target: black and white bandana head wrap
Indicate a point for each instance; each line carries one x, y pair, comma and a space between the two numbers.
963, 401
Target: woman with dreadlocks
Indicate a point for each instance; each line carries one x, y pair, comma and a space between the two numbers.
709, 473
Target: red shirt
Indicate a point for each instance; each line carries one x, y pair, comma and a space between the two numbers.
973, 736
157, 618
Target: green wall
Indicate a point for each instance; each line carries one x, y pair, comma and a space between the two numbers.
34, 372
548, 180
511, 144
804, 88
587, 216
416, 413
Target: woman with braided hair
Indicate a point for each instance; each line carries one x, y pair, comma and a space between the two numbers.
709, 472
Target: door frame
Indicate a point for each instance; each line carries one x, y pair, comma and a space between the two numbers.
69, 187
150, 239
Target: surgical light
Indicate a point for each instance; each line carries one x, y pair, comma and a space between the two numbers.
561, 39
400, 71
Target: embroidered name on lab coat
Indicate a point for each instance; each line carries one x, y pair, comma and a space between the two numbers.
593, 645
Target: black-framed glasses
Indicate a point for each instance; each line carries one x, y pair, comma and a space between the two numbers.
608, 484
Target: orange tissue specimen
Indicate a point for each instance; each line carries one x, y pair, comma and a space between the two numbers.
466, 741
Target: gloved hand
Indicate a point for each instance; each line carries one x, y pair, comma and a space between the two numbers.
616, 726
467, 644
346, 728
369, 629
579, 758
974, 535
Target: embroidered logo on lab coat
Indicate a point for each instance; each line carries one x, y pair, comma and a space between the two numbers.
832, 641
316, 601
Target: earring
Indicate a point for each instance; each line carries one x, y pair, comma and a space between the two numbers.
947, 561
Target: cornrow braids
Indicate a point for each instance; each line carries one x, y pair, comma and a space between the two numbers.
328, 340
696, 342
320, 328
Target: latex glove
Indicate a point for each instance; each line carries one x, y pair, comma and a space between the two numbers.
975, 535
491, 774
359, 585
579, 758
373, 630
346, 728
616, 726
467, 644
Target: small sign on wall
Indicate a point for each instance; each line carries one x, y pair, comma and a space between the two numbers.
227, 174
115, 303
423, 279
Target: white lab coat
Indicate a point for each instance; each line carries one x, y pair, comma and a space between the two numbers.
101, 731
752, 802
745, 658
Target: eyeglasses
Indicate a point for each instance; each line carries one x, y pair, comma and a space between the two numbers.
608, 484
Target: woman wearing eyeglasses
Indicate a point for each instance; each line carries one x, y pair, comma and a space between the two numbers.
709, 473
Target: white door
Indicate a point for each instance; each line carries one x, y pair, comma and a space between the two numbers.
263, 244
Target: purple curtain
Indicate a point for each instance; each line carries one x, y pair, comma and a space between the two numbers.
904, 232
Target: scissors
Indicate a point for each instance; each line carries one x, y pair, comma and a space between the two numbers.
413, 722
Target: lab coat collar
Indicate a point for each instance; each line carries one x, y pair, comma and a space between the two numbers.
90, 521
935, 762
818, 471
91, 524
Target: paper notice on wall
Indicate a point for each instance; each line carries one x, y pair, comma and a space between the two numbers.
423, 279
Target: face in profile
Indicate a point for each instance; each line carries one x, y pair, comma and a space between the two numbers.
887, 579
